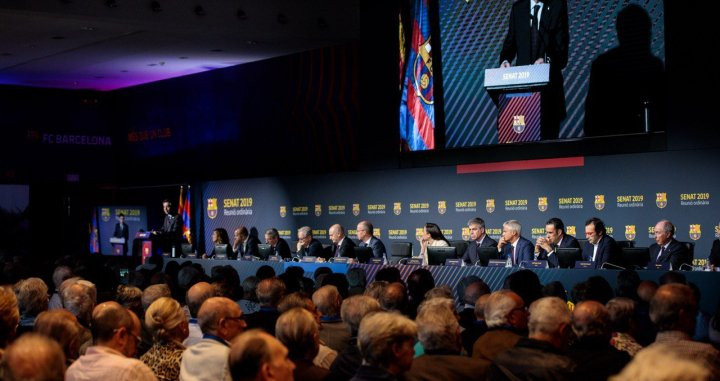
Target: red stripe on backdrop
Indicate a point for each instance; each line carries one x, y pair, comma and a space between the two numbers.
519, 165
425, 125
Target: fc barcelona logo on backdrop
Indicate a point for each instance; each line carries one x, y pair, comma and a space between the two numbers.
466, 233
442, 207
519, 123
599, 201
661, 200
105, 214
283, 211
490, 205
570, 230
423, 73
356, 209
630, 232
318, 210
695, 232
397, 208
542, 204
212, 208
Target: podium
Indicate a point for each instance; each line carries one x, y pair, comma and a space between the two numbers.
146, 246
516, 90
118, 245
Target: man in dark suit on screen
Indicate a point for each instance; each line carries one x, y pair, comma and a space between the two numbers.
278, 246
555, 237
171, 231
600, 247
513, 245
342, 245
367, 239
667, 249
122, 231
478, 238
308, 246
538, 33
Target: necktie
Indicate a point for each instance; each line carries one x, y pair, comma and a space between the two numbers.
535, 34
337, 251
660, 254
514, 257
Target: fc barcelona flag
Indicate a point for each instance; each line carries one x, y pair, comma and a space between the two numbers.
417, 110
184, 212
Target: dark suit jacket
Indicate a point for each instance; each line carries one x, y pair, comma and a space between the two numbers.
596, 359
568, 242
281, 248
122, 233
532, 360
315, 249
252, 248
345, 249
676, 254
171, 233
446, 367
524, 251
715, 253
377, 247
264, 319
608, 251
470, 256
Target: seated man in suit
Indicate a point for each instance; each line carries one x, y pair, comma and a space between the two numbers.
554, 237
342, 246
278, 246
365, 235
513, 245
667, 249
600, 247
308, 246
244, 243
478, 238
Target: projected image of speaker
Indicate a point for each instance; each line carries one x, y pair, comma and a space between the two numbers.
485, 254
438, 254
221, 251
264, 251
363, 254
636, 257
568, 256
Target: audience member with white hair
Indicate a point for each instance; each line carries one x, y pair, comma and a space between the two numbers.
165, 319
79, 297
32, 296
659, 363
33, 357
439, 334
60, 274
334, 332
506, 319
298, 331
541, 356
257, 356
386, 341
352, 311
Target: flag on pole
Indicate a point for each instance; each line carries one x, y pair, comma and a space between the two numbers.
417, 110
94, 239
184, 212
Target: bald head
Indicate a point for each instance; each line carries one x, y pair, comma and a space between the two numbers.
327, 299
646, 290
197, 294
393, 297
255, 355
34, 357
591, 318
221, 317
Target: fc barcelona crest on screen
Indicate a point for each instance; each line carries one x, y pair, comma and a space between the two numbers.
630, 232
519, 123
105, 214
318, 210
490, 205
356, 209
695, 232
212, 208
542, 204
442, 207
599, 201
397, 208
283, 211
423, 73
661, 200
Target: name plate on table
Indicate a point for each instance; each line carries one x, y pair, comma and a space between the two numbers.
584, 264
220, 256
453, 262
660, 266
191, 255
516, 77
496, 263
275, 258
414, 261
308, 259
538, 264
376, 261
248, 258
143, 235
340, 260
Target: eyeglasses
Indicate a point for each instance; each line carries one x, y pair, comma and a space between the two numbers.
235, 318
138, 339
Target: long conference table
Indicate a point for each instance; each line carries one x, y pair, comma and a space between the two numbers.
708, 282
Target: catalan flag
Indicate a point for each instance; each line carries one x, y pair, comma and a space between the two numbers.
184, 211
94, 239
417, 109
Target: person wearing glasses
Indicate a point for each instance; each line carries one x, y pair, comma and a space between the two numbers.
117, 334
166, 320
221, 320
367, 239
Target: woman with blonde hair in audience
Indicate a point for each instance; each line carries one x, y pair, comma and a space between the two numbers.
166, 320
63, 327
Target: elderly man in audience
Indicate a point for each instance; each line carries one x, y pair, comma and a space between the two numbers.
9, 316
79, 297
673, 309
269, 292
196, 296
595, 357
506, 319
116, 334
439, 334
165, 319
352, 311
257, 356
130, 297
33, 357
660, 363
298, 331
221, 320
326, 355
32, 296
541, 356
62, 326
334, 332
622, 321
386, 342
60, 274
394, 298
